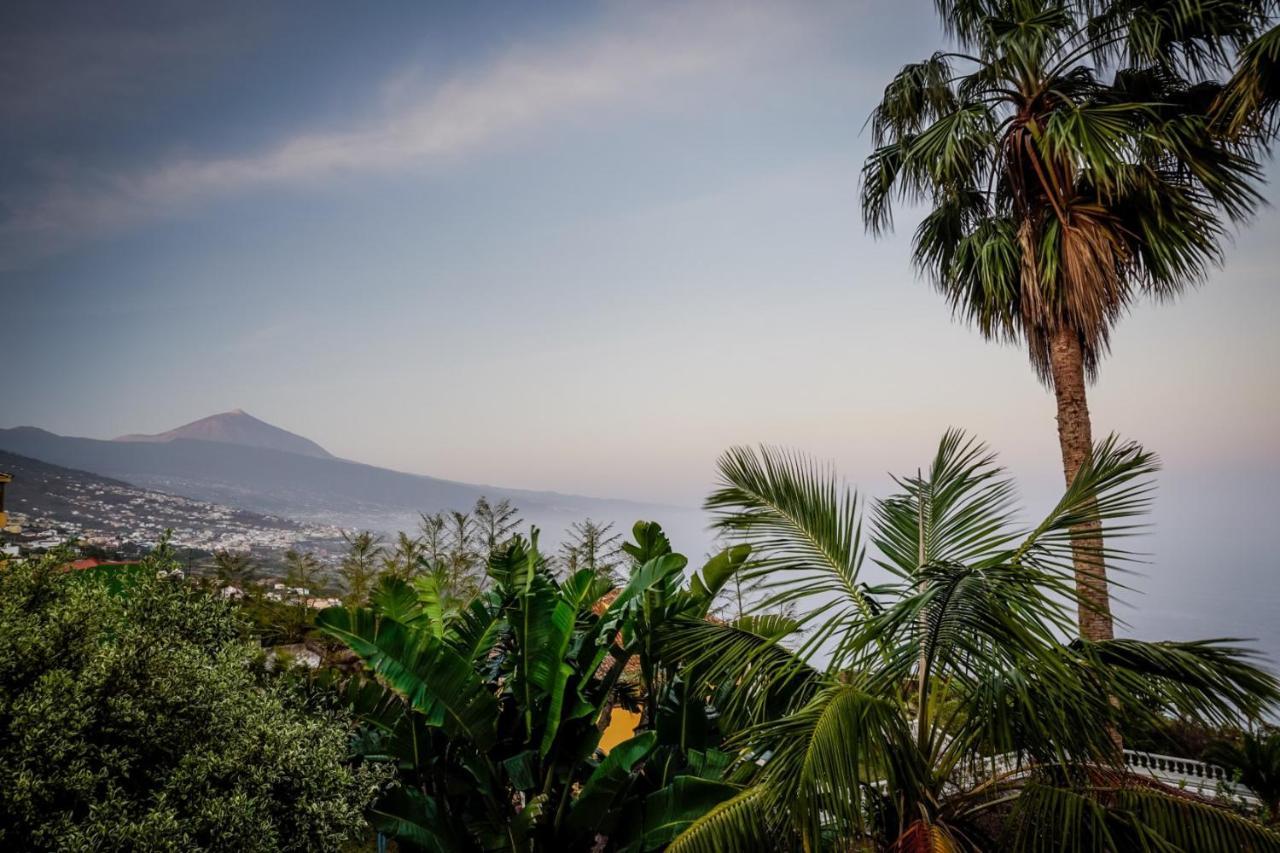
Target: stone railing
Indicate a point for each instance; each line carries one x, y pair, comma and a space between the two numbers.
1155, 764
1197, 777
1186, 774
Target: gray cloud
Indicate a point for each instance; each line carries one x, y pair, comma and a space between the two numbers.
422, 123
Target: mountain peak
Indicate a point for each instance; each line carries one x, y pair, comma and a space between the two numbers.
238, 427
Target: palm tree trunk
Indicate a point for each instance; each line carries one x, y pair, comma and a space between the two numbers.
1075, 435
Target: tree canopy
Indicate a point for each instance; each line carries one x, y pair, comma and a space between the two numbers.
134, 717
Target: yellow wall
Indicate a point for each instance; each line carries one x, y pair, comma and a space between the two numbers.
622, 726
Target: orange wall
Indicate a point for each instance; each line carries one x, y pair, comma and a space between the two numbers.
622, 726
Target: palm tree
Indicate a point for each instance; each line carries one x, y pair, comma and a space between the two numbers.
943, 710
304, 579
495, 523
1055, 197
404, 559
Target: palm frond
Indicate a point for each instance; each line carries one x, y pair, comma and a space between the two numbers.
959, 510
918, 94
749, 676
805, 533
1129, 817
738, 825
1112, 487
823, 756
1248, 107
1211, 681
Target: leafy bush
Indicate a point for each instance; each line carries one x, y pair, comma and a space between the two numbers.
133, 716
492, 714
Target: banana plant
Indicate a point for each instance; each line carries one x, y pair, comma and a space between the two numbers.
492, 712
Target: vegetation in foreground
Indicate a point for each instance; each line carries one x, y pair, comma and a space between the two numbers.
135, 716
492, 713
946, 709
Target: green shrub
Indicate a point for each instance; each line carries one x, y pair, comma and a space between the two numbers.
134, 716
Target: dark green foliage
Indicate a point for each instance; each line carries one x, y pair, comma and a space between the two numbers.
943, 710
233, 568
135, 718
1254, 756
492, 712
1248, 107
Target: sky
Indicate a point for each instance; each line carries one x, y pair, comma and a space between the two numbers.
571, 246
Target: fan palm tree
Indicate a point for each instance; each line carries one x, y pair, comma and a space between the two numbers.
944, 710
1069, 161
1248, 106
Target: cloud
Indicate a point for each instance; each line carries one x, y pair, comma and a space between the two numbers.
61, 62
421, 123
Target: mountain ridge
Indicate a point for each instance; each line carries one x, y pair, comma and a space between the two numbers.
236, 427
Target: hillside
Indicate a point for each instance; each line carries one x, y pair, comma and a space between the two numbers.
327, 491
112, 513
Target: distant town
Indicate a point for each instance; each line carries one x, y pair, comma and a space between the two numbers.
49, 506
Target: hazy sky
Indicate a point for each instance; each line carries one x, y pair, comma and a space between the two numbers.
580, 250
583, 249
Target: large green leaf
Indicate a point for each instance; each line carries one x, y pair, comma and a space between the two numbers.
591, 810
704, 587
397, 600
474, 628
417, 822
655, 573
521, 769
669, 811
430, 675
650, 542
427, 587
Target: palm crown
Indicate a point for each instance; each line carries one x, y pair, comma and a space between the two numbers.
1056, 194
943, 709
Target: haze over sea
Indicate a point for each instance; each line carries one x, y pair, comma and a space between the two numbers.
582, 252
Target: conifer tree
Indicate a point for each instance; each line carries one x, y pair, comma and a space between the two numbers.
361, 565
594, 546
